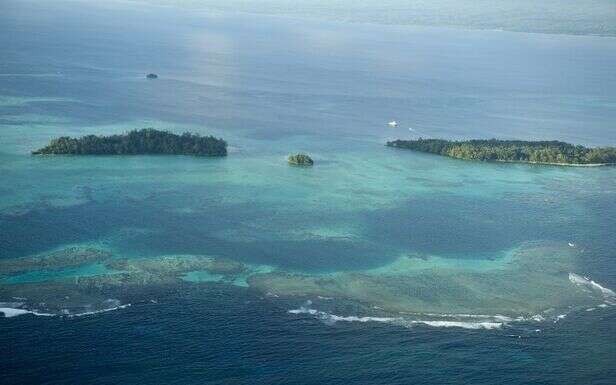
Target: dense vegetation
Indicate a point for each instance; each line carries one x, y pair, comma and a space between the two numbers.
512, 150
300, 160
145, 141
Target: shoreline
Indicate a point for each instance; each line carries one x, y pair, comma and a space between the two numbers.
485, 150
545, 163
513, 161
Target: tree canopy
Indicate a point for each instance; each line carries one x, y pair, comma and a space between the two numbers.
144, 141
512, 150
300, 160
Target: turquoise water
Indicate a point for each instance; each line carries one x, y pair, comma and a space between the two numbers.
43, 275
372, 247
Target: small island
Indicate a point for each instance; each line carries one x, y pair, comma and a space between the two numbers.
540, 152
137, 142
300, 160
151, 76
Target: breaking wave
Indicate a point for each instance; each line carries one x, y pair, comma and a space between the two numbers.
479, 321
14, 312
14, 309
608, 295
96, 311
466, 321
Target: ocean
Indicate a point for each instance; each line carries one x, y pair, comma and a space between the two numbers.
374, 266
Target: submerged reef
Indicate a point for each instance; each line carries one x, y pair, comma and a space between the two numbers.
300, 160
59, 259
124, 281
535, 278
176, 264
542, 152
137, 142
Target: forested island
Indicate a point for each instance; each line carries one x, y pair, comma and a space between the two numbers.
544, 152
137, 142
300, 160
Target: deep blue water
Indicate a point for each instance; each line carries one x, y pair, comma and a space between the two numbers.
219, 337
271, 86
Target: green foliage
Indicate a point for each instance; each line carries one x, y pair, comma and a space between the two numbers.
300, 160
511, 150
145, 141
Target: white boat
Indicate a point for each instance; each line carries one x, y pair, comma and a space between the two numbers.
393, 123
571, 244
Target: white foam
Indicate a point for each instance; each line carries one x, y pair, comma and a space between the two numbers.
332, 318
461, 324
462, 320
353, 318
110, 305
98, 311
560, 316
592, 285
14, 312
496, 317
303, 310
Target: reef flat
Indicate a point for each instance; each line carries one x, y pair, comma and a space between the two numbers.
533, 279
123, 281
53, 260
173, 265
530, 280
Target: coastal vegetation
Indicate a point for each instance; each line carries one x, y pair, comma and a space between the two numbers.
144, 141
300, 160
546, 152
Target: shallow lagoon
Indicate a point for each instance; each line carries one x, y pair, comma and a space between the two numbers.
363, 205
369, 231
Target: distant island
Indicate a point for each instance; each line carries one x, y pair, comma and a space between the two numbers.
300, 160
137, 142
541, 152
